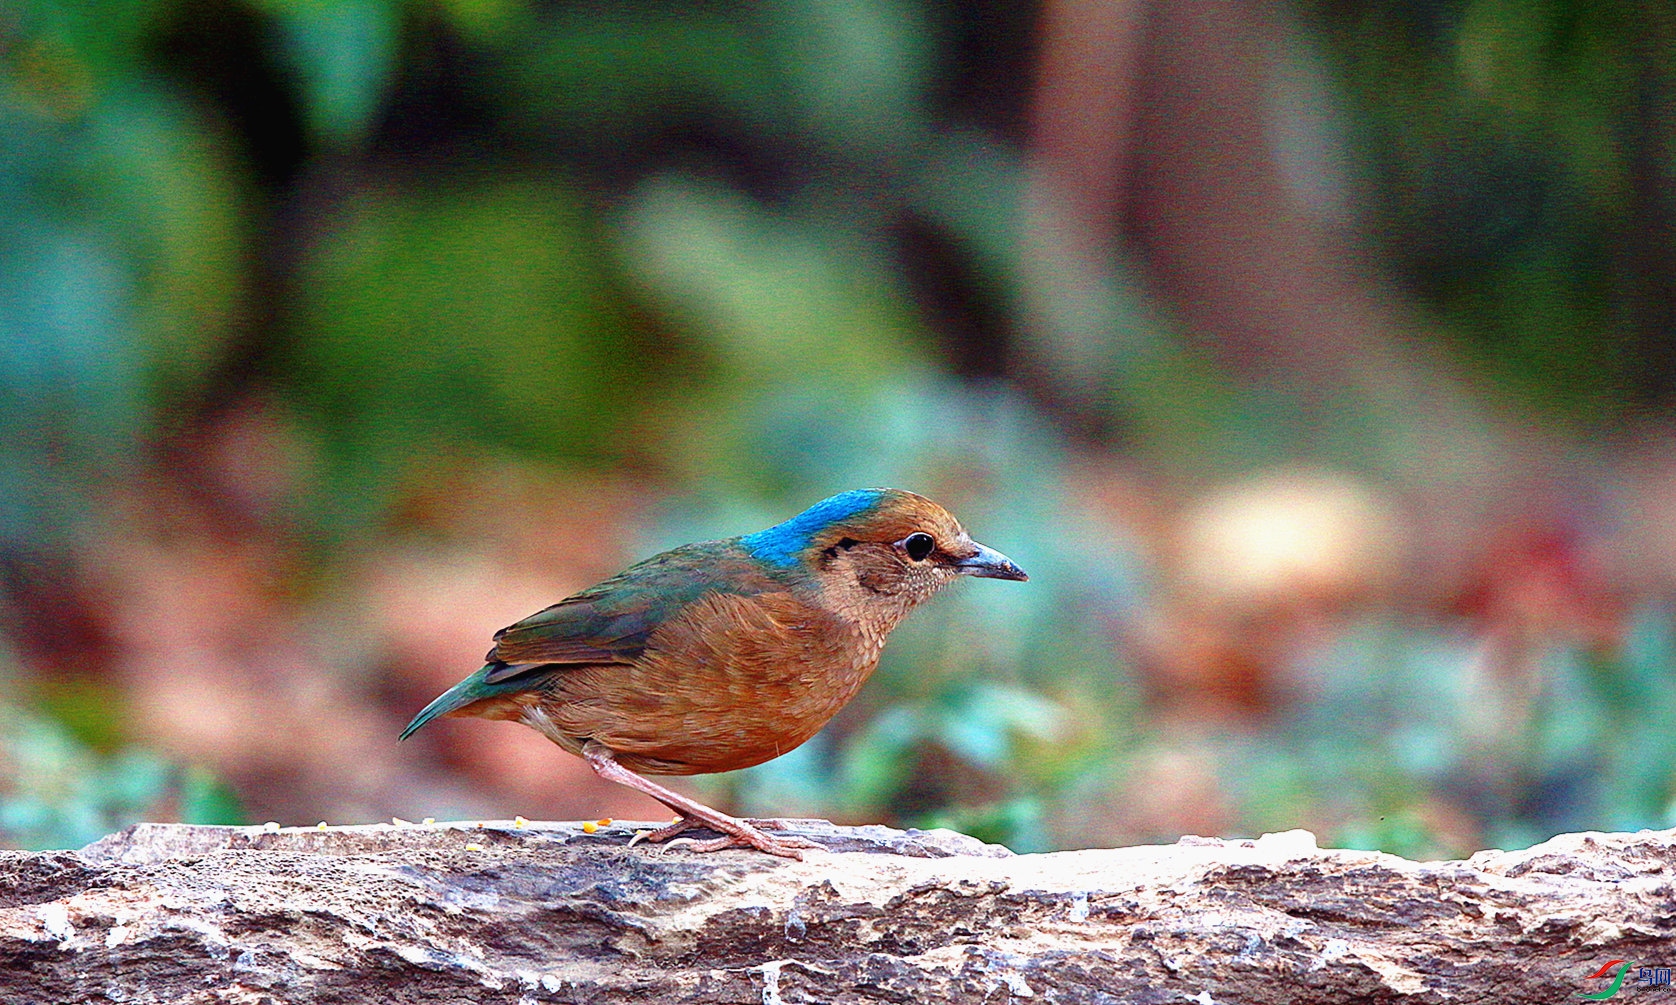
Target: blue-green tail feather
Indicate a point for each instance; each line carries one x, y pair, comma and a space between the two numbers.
473, 688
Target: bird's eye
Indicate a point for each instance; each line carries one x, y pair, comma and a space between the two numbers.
918, 546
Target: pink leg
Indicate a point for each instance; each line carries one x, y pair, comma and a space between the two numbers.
693, 813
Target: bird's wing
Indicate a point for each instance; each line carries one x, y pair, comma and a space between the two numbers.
613, 621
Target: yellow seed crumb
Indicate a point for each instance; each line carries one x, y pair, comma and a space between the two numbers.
272, 826
590, 827
474, 847
399, 822
428, 821
320, 826
520, 822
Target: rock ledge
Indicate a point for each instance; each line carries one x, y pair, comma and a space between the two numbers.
543, 912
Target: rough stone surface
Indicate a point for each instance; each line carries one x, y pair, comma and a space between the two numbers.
492, 913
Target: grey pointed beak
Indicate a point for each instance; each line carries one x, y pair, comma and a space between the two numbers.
989, 564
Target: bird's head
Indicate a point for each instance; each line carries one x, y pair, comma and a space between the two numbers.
888, 543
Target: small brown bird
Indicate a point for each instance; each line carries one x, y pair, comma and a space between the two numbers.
723, 654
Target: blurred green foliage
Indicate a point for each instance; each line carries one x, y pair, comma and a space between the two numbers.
413, 336
66, 778
1398, 718
1522, 166
342, 57
685, 237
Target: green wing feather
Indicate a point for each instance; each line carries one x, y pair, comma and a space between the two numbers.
611, 622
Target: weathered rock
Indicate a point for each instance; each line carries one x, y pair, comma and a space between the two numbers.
461, 913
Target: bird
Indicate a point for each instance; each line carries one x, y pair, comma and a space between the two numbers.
723, 654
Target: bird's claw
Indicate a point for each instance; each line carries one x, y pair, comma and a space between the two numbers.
663, 833
785, 846
735, 834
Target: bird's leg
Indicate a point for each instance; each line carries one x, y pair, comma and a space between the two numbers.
739, 834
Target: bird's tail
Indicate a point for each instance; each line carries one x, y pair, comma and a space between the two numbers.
473, 689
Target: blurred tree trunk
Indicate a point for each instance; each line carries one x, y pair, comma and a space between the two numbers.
1648, 263
1158, 130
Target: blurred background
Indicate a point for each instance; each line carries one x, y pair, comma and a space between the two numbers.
1317, 359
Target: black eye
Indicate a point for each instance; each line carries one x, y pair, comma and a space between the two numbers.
918, 546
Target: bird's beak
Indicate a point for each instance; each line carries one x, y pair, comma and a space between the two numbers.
989, 564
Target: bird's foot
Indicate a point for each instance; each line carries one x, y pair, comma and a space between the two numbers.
665, 832
736, 833
784, 845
